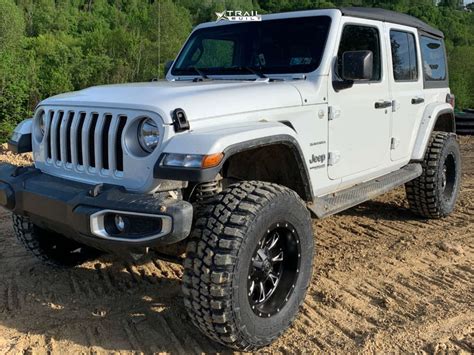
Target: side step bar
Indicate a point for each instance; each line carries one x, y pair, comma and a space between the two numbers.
336, 202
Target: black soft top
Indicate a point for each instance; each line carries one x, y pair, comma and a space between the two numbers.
390, 16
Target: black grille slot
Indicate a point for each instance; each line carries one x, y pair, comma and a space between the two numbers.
68, 137
105, 141
118, 142
58, 135
80, 126
94, 118
49, 123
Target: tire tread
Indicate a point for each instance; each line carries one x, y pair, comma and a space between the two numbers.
211, 258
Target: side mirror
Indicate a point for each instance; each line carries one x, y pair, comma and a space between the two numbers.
357, 65
168, 66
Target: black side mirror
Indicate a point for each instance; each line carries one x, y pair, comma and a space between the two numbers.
357, 65
168, 66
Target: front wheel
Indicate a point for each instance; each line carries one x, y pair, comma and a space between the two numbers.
248, 264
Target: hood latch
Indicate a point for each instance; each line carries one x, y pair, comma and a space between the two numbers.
180, 121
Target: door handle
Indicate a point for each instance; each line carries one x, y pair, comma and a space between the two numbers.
417, 100
383, 104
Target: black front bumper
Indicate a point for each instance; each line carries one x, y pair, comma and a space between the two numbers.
66, 207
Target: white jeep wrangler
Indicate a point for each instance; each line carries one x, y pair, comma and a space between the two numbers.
259, 127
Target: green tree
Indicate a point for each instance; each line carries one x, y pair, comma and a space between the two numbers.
13, 77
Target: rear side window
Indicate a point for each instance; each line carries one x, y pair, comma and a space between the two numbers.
434, 60
403, 56
358, 38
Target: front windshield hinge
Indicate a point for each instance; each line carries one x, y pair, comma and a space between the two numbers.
298, 77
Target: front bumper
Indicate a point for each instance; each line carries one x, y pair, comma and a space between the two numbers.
72, 209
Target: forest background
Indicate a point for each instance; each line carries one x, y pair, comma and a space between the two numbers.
53, 46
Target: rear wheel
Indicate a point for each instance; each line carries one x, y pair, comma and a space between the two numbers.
51, 248
434, 193
248, 264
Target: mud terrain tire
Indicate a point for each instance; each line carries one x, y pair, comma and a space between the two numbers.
223, 268
434, 193
50, 248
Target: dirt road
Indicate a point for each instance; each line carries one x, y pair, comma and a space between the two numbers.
385, 281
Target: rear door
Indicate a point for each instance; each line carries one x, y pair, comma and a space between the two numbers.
406, 86
359, 127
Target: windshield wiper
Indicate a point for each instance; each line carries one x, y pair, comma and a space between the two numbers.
200, 73
256, 72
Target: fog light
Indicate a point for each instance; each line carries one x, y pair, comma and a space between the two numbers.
120, 223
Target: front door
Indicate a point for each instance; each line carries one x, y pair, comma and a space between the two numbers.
359, 126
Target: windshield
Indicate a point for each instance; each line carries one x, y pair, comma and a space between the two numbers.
292, 45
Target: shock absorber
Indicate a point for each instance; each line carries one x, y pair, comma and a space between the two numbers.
206, 190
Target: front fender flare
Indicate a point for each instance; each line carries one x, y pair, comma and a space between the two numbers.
230, 141
20, 141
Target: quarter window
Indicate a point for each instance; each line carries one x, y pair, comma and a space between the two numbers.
403, 56
359, 38
434, 60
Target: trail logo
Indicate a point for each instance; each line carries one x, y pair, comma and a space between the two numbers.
238, 16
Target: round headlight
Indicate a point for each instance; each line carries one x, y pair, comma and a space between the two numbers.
42, 122
148, 135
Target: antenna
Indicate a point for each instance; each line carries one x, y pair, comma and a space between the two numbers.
159, 39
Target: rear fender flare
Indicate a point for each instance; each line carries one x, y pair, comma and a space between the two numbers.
432, 114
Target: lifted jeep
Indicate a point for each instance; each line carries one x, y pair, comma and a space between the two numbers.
259, 127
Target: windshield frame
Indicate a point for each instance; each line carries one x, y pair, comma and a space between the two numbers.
245, 74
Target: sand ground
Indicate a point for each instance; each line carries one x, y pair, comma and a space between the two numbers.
385, 281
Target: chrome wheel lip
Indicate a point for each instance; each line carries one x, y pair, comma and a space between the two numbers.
280, 270
448, 178
443, 177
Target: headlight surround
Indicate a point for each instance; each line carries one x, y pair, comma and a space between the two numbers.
196, 161
42, 123
183, 160
148, 135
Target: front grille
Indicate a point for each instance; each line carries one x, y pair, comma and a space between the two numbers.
85, 140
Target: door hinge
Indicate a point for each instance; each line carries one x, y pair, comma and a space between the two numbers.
333, 158
333, 112
394, 142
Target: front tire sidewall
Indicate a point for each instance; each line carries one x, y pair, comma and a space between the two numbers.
280, 210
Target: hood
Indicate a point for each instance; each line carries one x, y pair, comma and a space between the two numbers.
200, 100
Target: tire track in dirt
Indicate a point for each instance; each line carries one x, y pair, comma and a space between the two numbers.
384, 281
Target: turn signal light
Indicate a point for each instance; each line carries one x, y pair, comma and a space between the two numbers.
212, 160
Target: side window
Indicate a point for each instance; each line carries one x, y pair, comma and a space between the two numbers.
359, 38
434, 60
403, 56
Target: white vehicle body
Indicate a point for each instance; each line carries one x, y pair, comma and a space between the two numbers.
352, 141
